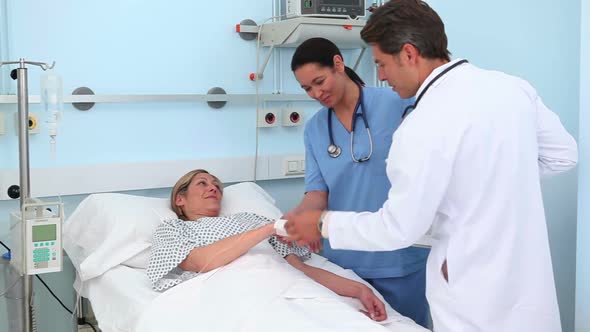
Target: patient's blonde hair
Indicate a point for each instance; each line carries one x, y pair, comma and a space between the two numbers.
181, 187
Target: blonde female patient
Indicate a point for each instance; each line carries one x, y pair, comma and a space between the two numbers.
201, 240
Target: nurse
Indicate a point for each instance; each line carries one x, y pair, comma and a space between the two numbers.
346, 143
466, 162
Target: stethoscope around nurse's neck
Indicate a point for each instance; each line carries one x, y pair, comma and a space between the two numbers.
413, 106
359, 110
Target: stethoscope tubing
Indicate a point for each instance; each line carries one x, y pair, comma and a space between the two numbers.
436, 78
334, 150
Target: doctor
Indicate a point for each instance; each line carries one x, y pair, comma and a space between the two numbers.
466, 162
346, 143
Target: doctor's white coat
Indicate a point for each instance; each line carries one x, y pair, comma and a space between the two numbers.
467, 162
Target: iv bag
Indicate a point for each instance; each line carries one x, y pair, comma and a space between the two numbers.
52, 97
52, 103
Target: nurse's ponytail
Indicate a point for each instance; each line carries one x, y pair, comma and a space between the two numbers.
322, 52
353, 75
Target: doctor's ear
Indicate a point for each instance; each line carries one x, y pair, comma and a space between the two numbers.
409, 53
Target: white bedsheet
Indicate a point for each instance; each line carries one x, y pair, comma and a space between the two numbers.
118, 297
257, 292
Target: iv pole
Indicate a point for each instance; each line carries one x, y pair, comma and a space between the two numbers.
24, 170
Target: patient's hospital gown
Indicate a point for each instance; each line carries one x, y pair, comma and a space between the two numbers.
175, 238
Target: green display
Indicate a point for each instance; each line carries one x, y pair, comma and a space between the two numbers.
44, 233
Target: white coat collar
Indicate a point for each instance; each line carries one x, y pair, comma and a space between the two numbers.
433, 74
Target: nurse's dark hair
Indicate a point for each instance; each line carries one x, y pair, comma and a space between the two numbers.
400, 22
322, 52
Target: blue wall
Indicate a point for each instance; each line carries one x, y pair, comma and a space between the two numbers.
126, 47
583, 256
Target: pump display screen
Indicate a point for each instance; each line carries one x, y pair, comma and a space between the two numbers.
44, 233
339, 2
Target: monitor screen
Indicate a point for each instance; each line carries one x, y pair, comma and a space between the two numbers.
340, 2
44, 233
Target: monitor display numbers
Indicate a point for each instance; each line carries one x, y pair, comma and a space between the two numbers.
339, 2
44, 233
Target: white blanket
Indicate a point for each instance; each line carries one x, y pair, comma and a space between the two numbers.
262, 292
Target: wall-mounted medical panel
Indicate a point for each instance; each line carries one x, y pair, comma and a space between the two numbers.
291, 32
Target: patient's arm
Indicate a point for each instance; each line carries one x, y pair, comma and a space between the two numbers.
222, 252
342, 286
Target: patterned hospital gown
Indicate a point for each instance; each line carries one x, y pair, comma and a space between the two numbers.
175, 238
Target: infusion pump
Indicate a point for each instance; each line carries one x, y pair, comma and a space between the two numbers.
36, 237
323, 8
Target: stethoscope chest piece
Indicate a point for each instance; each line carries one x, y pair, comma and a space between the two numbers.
334, 150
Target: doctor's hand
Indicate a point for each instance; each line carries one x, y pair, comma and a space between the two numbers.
303, 227
375, 309
314, 246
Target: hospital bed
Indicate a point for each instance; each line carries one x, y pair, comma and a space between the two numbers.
108, 239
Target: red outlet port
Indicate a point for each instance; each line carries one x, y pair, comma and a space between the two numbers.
270, 118
294, 117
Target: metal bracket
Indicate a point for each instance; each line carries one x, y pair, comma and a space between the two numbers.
83, 91
216, 91
291, 32
260, 71
22, 62
358, 60
247, 29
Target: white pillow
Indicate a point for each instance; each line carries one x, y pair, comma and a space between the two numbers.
105, 230
248, 197
111, 229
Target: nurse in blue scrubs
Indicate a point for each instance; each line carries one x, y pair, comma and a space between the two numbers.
346, 144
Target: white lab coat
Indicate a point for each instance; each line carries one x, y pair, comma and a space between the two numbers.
467, 161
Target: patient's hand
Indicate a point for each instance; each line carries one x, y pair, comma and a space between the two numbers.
286, 239
375, 309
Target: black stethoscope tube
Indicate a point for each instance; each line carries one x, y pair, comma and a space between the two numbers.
411, 107
334, 150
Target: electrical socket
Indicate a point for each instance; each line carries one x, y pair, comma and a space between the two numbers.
291, 117
268, 118
293, 166
34, 123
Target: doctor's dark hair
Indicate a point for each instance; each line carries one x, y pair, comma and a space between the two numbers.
322, 52
400, 22
181, 187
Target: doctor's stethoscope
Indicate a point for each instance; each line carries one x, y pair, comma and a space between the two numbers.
334, 150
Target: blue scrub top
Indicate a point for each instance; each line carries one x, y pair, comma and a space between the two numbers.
359, 186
